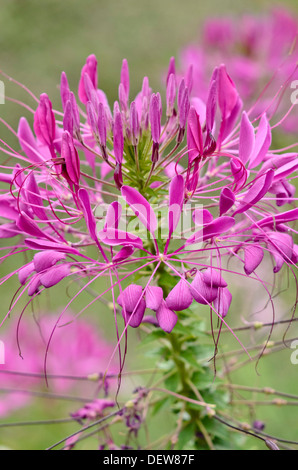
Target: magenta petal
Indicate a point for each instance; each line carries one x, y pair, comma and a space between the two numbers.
90, 68
281, 246
28, 226
202, 217
64, 90
113, 216
8, 208
47, 259
134, 319
34, 285
215, 228
124, 77
44, 121
223, 301
6, 178
253, 256
36, 244
201, 292
262, 144
211, 104
70, 155
171, 69
150, 319
257, 191
134, 124
130, 297
141, 207
176, 193
88, 214
155, 117
282, 218
166, 318
114, 237
226, 201
153, 297
171, 94
8, 231
123, 254
213, 278
183, 107
227, 93
246, 139
25, 272
102, 125
54, 275
118, 137
180, 296
194, 135
34, 198
284, 170
28, 142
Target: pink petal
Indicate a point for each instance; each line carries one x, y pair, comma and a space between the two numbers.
123, 254
47, 259
34, 198
246, 139
130, 297
180, 296
194, 135
89, 68
141, 207
281, 246
54, 275
28, 142
202, 217
226, 201
253, 256
176, 197
257, 191
114, 237
213, 278
25, 272
36, 244
88, 214
215, 228
262, 144
223, 301
201, 292
134, 319
166, 318
227, 93
153, 297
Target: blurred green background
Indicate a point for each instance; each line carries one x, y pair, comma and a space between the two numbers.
39, 39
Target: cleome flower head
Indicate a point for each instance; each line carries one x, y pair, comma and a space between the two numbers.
156, 206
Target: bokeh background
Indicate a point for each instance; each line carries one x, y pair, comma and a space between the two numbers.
39, 39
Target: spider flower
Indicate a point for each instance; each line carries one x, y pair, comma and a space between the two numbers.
157, 208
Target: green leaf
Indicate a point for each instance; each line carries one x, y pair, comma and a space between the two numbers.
186, 435
161, 404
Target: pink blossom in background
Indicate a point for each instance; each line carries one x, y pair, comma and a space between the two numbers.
76, 350
254, 49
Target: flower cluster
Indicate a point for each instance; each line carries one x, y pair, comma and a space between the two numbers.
260, 53
206, 161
